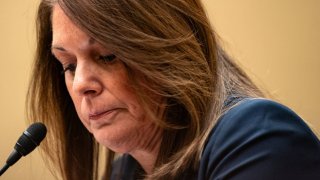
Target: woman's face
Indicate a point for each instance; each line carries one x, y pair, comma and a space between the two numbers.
98, 84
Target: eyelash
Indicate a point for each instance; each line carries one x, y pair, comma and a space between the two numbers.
70, 67
108, 58
105, 59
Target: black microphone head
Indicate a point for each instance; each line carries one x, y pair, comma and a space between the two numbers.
31, 138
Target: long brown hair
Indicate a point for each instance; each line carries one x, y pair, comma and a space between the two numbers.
169, 43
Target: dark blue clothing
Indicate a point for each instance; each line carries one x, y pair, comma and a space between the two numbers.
258, 139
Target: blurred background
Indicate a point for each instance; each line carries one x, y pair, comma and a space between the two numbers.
276, 42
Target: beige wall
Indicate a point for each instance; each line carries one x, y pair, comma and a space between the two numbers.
16, 50
276, 41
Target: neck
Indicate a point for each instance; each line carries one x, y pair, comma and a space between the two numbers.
147, 156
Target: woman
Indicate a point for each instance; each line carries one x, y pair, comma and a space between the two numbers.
148, 80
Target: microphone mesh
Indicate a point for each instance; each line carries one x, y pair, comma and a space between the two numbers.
37, 131
31, 138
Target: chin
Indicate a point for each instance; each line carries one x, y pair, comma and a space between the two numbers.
117, 143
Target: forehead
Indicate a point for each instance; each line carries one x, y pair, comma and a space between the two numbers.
64, 30
59, 18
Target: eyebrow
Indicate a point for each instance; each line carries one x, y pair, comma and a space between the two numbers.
90, 42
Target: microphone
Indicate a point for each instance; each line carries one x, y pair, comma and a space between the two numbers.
27, 142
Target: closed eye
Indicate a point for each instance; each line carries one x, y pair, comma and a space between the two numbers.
69, 67
108, 58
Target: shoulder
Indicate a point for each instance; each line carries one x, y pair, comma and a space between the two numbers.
262, 116
261, 139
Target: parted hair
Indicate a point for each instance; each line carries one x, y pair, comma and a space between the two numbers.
168, 43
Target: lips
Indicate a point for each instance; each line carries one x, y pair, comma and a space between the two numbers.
102, 115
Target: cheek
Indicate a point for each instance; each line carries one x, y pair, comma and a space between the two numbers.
126, 134
77, 104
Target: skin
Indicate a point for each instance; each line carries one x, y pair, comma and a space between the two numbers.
101, 93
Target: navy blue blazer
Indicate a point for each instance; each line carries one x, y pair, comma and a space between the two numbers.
257, 139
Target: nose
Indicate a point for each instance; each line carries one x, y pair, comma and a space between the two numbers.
86, 80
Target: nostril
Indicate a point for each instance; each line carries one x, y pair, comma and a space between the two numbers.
88, 92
